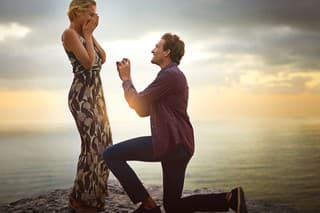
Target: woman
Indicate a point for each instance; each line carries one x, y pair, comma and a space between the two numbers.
87, 105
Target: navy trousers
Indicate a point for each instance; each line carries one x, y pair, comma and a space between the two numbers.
173, 168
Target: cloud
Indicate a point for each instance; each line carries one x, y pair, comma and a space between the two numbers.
258, 49
284, 82
13, 31
31, 10
224, 39
20, 62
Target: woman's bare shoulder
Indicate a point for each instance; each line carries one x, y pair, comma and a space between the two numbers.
69, 33
69, 37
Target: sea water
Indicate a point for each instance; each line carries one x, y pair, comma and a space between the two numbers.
274, 159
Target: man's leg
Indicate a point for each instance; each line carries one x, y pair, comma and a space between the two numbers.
173, 180
116, 156
173, 170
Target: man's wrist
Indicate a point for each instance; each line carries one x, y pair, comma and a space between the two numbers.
126, 79
126, 83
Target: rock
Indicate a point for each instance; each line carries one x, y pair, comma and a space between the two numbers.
117, 201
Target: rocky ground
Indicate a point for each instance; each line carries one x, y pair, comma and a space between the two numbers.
117, 201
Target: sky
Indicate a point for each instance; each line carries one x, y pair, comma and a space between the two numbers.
243, 57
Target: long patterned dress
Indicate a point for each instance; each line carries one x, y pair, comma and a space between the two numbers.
87, 105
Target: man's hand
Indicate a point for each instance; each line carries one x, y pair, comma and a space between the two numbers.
123, 68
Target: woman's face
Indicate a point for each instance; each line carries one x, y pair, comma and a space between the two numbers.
84, 16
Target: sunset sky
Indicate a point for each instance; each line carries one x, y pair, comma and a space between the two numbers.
243, 57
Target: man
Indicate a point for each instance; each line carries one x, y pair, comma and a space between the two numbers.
172, 142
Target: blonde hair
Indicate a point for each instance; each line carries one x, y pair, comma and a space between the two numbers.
78, 5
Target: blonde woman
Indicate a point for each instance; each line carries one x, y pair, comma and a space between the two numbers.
87, 105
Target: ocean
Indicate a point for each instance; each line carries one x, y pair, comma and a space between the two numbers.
275, 160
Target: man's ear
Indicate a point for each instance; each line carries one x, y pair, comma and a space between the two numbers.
167, 52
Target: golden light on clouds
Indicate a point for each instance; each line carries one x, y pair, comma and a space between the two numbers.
49, 108
209, 103
281, 82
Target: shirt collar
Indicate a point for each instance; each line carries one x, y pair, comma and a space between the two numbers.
171, 64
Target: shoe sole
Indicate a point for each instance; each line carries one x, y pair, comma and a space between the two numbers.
241, 208
79, 210
74, 209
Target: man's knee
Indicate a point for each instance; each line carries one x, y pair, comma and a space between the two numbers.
107, 155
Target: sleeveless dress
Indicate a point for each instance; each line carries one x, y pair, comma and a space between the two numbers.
87, 105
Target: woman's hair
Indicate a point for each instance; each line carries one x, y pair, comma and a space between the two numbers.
175, 45
78, 5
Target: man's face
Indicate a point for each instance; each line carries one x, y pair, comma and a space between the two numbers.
158, 53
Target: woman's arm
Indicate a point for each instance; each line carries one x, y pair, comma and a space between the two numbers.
100, 49
72, 43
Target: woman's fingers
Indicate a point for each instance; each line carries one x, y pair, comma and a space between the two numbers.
96, 18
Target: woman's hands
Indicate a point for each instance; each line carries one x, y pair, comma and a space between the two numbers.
90, 26
85, 54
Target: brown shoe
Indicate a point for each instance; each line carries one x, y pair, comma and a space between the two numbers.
79, 206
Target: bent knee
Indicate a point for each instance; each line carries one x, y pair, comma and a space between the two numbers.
107, 154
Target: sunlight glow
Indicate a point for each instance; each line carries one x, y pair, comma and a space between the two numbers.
139, 48
288, 82
33, 108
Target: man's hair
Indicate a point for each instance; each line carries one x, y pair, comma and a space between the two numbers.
79, 5
175, 45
